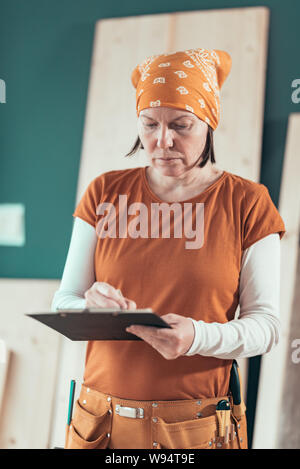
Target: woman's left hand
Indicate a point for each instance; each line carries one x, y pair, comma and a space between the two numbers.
170, 343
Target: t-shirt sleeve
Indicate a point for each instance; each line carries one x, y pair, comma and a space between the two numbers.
261, 219
87, 206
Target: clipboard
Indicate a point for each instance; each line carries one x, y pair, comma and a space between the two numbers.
98, 323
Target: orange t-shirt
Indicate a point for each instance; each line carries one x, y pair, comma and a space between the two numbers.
195, 274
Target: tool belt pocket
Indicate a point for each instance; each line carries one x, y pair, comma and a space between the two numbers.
202, 433
188, 434
241, 438
87, 430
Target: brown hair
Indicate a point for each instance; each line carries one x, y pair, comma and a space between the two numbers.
208, 152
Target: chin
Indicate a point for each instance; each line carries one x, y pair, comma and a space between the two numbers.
169, 169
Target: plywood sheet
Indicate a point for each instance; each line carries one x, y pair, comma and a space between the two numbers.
271, 385
288, 436
71, 366
28, 395
4, 363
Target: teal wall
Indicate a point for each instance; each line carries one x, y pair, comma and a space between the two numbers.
45, 53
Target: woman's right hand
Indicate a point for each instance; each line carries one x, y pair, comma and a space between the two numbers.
103, 295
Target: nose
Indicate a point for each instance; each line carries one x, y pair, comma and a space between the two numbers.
165, 137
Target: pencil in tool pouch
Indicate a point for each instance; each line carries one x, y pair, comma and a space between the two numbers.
223, 417
71, 400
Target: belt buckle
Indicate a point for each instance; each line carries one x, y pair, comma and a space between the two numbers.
131, 412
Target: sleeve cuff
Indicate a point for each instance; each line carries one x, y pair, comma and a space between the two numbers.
194, 349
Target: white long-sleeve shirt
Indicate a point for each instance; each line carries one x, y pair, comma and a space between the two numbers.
255, 331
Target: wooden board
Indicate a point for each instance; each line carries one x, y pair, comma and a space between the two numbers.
111, 122
288, 436
270, 403
4, 363
28, 395
71, 366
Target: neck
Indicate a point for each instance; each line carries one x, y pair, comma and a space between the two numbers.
195, 175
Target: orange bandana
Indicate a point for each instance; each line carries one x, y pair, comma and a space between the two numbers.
189, 80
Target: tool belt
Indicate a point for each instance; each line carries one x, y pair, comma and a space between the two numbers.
102, 421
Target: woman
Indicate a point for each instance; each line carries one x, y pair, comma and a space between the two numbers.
214, 248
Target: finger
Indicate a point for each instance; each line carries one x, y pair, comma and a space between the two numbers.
142, 333
137, 330
96, 299
146, 332
110, 292
125, 306
171, 318
159, 344
130, 303
109, 304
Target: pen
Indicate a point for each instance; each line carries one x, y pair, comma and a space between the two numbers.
71, 400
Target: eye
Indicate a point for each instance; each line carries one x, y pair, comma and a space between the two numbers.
178, 126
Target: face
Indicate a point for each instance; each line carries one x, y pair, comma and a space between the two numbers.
173, 139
